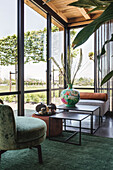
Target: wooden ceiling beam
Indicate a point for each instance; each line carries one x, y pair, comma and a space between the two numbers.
83, 11
56, 11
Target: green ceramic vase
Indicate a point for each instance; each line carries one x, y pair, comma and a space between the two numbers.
70, 96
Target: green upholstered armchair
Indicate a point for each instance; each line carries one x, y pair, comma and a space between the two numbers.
20, 132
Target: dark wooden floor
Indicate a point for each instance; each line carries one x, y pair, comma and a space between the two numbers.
106, 129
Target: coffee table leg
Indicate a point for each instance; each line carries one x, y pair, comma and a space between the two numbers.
92, 123
80, 132
99, 116
64, 124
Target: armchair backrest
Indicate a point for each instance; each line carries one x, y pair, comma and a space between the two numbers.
7, 127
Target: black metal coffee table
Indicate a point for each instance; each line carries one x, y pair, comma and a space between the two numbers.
69, 116
83, 109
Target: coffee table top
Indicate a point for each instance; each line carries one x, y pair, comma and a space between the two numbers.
70, 116
86, 108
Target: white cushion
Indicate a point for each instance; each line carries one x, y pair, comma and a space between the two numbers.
104, 105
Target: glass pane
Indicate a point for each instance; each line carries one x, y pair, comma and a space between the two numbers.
57, 80
32, 99
35, 50
10, 100
8, 45
85, 73
55, 97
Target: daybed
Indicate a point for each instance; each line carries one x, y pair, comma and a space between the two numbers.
95, 99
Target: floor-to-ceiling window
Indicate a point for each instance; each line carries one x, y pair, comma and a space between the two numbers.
8, 53
84, 79
35, 56
35, 53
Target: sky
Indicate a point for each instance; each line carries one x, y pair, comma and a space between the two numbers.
34, 21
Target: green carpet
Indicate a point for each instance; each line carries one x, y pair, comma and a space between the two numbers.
95, 153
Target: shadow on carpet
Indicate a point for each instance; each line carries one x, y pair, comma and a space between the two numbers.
95, 153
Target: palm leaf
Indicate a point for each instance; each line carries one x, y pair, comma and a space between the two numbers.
87, 31
107, 77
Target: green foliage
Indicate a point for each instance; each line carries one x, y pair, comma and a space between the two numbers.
54, 28
8, 50
27, 98
11, 98
33, 48
83, 81
2, 98
107, 77
35, 97
34, 82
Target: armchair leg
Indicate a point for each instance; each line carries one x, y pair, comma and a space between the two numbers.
39, 154
2, 151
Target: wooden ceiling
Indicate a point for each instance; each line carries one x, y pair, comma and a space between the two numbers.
73, 16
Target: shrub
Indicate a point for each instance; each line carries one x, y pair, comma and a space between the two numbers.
36, 99
27, 98
42, 95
